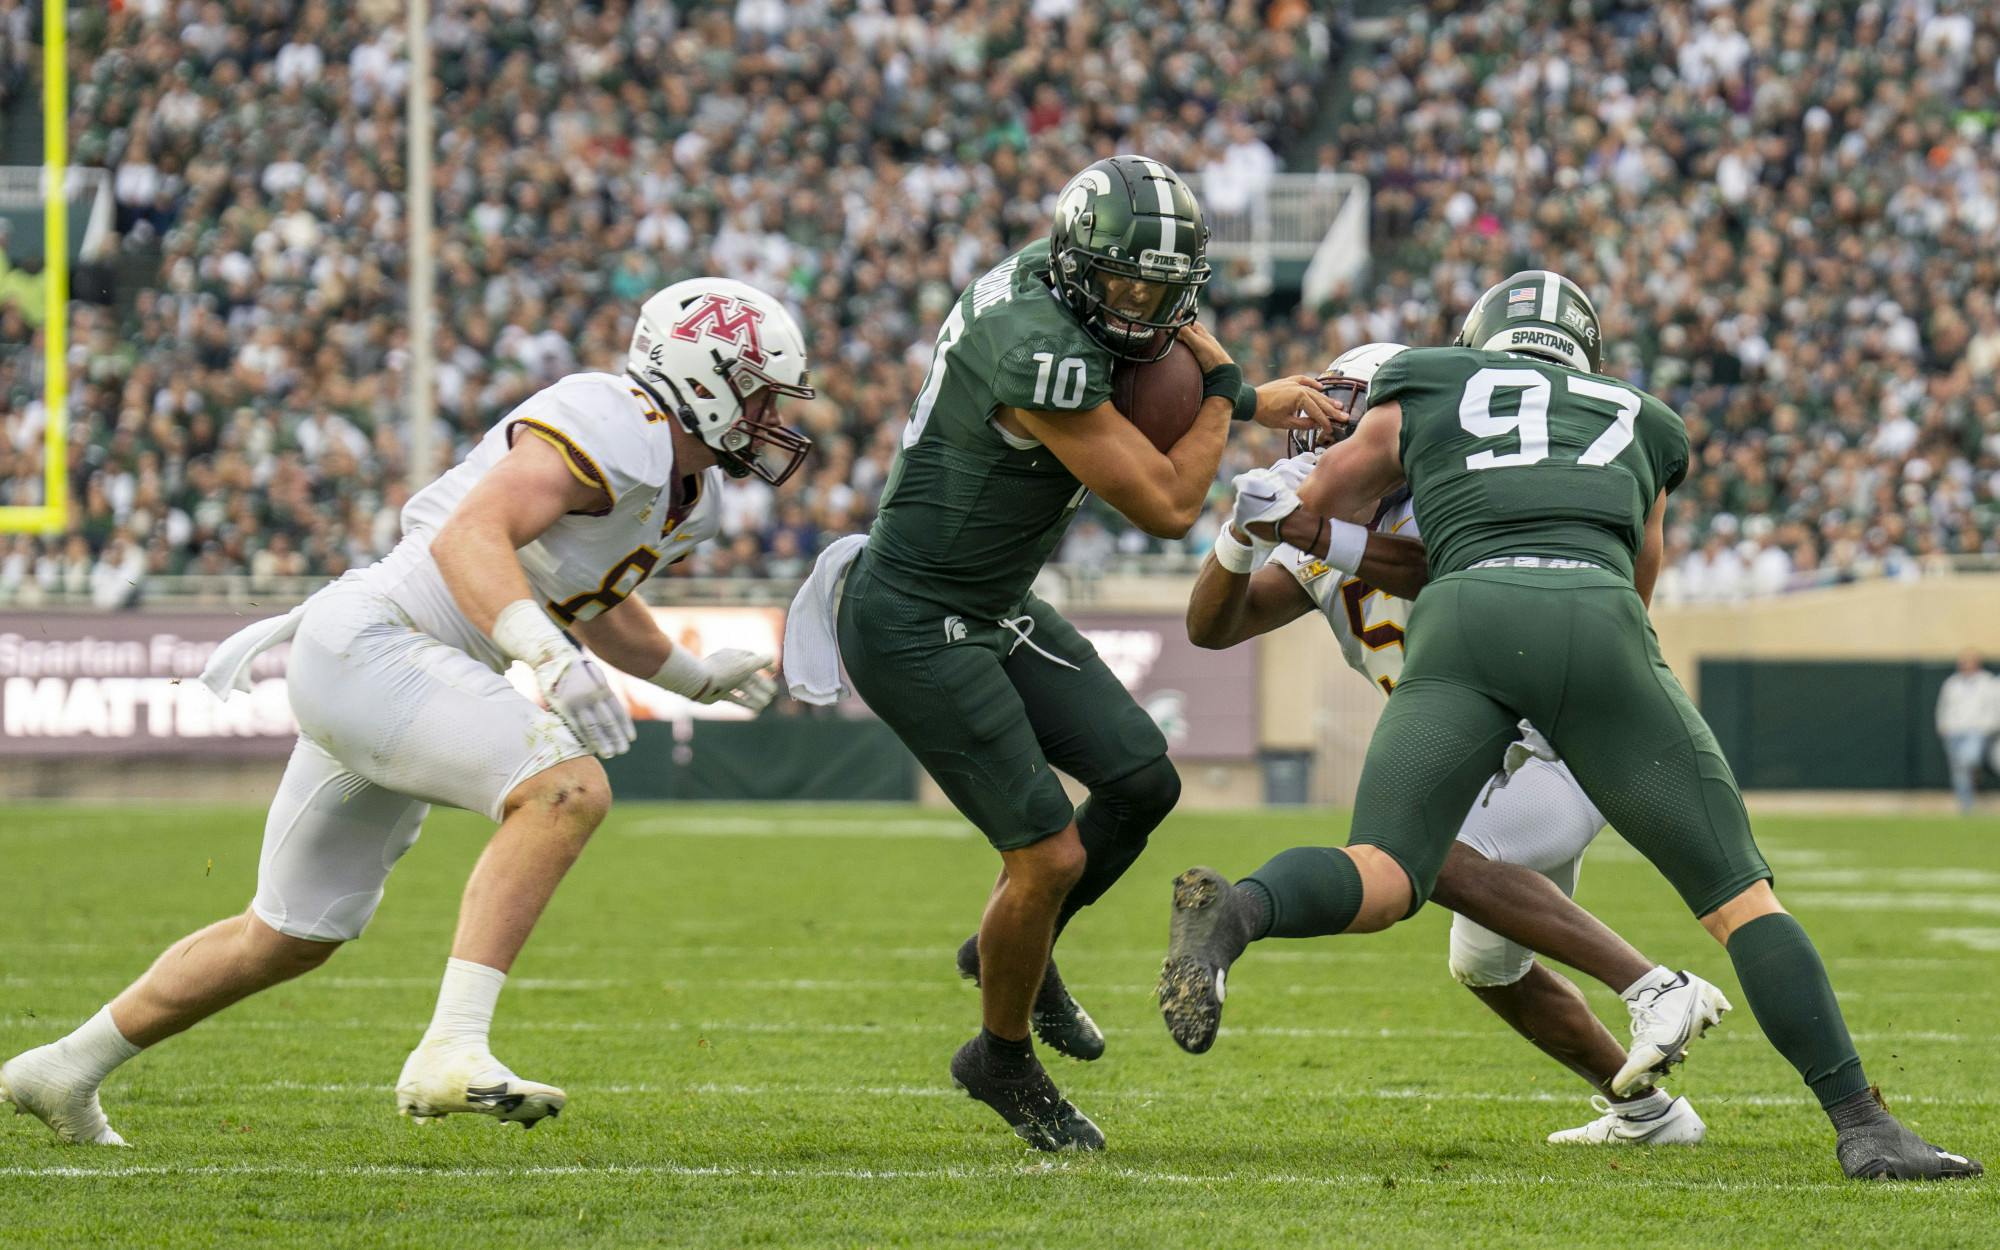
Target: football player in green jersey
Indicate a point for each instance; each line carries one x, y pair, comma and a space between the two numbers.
989, 686
1539, 488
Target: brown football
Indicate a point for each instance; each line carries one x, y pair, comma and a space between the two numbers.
1161, 398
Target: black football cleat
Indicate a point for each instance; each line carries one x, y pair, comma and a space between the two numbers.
1211, 925
1026, 1098
1884, 1150
1060, 1021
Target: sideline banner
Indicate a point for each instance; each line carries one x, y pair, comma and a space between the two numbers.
123, 684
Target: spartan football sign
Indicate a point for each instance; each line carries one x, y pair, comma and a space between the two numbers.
727, 320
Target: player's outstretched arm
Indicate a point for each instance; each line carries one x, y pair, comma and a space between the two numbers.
631, 640
1393, 563
1226, 608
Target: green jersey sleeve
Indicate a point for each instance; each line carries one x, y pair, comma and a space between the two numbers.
1391, 382
1050, 371
1667, 442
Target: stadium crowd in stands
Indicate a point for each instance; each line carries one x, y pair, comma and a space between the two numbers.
1789, 214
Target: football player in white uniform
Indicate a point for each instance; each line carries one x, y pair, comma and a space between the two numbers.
395, 678
1532, 819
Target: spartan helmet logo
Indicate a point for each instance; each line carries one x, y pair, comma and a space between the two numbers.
1073, 205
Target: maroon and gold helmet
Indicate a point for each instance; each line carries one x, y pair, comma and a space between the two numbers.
1346, 384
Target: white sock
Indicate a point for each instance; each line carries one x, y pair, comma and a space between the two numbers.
465, 1003
1660, 977
1644, 1107
97, 1047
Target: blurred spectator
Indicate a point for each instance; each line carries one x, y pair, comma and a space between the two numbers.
240, 411
1789, 215
1968, 715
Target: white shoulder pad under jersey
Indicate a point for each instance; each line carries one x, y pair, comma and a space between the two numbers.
614, 437
1368, 623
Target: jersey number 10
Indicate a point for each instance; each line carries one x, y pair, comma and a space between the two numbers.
1531, 419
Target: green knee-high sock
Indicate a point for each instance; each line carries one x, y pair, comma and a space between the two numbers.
1794, 1004
1308, 891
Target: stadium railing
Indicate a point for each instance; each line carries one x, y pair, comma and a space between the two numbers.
1317, 220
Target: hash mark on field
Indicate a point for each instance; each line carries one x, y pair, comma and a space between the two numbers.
1979, 904
1977, 939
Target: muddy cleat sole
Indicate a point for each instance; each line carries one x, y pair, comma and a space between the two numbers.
1666, 1021
1885, 1150
1210, 928
1029, 1102
1059, 1020
438, 1081
43, 1084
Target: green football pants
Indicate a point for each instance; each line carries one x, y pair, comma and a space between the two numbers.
987, 708
1572, 651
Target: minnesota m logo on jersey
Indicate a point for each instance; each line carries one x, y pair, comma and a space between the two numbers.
728, 320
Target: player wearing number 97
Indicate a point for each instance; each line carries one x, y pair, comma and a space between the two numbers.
1540, 489
1520, 848
395, 678
990, 688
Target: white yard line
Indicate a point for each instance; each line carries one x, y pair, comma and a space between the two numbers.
764, 827
805, 1028
1314, 1095
1080, 1169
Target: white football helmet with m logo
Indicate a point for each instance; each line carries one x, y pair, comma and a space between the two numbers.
718, 354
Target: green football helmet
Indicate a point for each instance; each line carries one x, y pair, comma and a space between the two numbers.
1537, 312
1129, 254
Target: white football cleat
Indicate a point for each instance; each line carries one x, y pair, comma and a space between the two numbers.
1668, 1013
1674, 1125
441, 1078
44, 1084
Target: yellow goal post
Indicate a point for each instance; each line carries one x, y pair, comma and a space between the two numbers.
52, 515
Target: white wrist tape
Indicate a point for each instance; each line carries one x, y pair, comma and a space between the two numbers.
1236, 557
1346, 543
683, 673
525, 632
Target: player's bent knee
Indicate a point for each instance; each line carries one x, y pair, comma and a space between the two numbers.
1049, 867
1386, 892
575, 794
1749, 904
1483, 960
286, 954
1141, 799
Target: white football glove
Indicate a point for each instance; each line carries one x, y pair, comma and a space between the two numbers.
1261, 497
1294, 472
726, 676
573, 687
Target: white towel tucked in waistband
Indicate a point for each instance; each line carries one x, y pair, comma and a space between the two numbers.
229, 668
812, 654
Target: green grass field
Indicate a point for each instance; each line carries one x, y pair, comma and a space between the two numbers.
752, 1009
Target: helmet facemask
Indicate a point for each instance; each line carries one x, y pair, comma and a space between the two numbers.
756, 445
1132, 309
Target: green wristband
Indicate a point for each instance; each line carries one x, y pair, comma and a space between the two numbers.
1225, 381
1246, 402
1222, 380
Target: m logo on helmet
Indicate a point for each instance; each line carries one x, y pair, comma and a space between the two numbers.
726, 319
